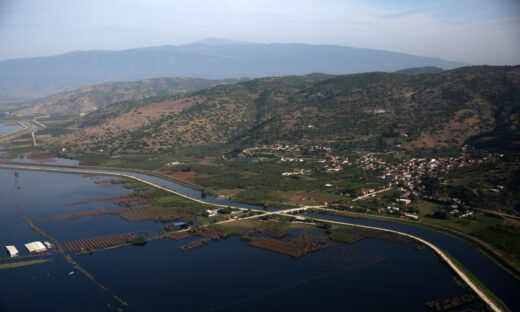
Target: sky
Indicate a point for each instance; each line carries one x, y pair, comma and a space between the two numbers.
470, 31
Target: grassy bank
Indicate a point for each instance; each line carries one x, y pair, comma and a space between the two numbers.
478, 283
13, 265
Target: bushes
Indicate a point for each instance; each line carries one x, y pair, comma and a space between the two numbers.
438, 215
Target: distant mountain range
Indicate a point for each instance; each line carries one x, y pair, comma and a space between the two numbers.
92, 98
374, 111
211, 59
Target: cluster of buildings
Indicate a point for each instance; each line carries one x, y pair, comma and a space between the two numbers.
291, 159
333, 163
397, 210
330, 163
32, 247
283, 147
408, 175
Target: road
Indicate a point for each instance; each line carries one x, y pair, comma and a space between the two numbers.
39, 123
498, 213
370, 194
33, 138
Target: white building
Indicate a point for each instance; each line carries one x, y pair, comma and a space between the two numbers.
13, 252
35, 247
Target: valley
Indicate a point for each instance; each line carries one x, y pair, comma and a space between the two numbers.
260, 156
421, 150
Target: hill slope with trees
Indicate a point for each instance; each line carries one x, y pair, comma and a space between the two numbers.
374, 111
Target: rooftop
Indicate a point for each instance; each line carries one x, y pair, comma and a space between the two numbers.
35, 247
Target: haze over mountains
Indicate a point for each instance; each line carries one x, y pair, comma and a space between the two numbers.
28, 78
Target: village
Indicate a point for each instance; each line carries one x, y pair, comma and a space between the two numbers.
294, 154
406, 177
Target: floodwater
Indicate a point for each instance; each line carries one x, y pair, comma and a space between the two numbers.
229, 275
6, 129
488, 272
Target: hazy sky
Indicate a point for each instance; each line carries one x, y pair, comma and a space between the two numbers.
472, 31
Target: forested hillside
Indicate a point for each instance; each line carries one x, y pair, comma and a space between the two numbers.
374, 111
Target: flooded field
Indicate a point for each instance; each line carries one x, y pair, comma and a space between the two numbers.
227, 273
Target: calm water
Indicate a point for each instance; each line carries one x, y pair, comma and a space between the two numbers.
496, 279
6, 129
168, 184
227, 275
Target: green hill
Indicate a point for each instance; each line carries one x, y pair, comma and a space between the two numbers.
373, 111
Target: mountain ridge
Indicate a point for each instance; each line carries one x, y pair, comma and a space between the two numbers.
41, 76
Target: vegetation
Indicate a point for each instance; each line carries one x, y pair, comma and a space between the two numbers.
261, 182
91, 98
492, 186
139, 241
161, 206
13, 265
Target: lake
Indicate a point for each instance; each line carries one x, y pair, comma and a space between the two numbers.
228, 275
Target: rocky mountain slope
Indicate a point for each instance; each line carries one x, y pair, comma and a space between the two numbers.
95, 97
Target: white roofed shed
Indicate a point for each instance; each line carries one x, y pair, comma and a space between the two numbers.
35, 247
13, 252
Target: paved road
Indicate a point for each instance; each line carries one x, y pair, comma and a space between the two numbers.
370, 194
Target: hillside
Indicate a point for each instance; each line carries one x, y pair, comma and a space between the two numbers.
210, 59
95, 97
419, 70
373, 111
